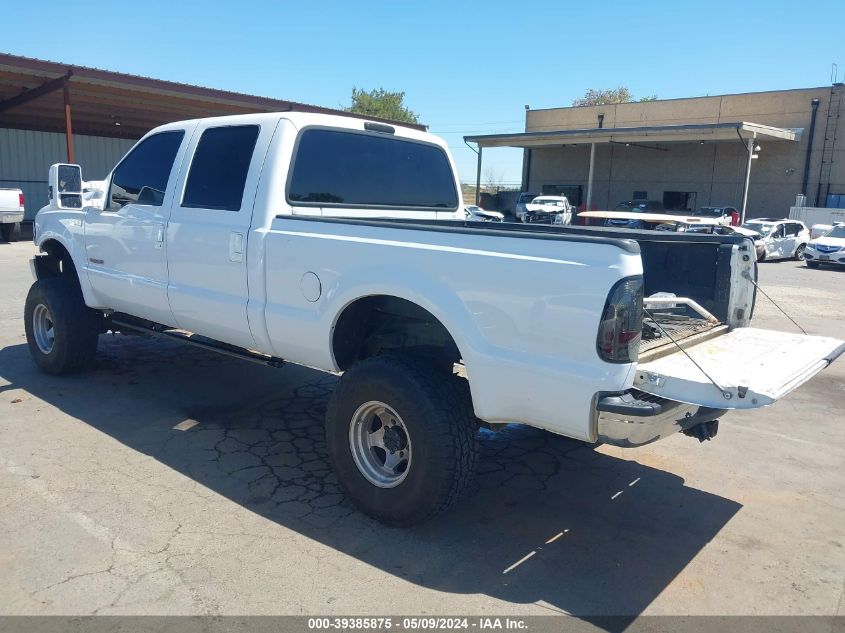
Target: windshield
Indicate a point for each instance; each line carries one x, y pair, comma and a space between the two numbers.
836, 231
555, 203
710, 212
762, 229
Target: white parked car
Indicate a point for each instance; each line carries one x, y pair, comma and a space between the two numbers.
827, 249
342, 245
474, 213
11, 214
548, 210
780, 239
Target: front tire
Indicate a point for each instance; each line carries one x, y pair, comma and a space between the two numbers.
811, 264
61, 331
402, 438
799, 252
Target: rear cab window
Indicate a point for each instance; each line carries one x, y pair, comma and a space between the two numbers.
354, 169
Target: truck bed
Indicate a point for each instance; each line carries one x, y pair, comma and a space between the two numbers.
689, 265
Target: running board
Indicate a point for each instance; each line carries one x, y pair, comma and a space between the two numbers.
122, 322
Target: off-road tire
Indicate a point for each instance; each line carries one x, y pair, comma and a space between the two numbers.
76, 327
436, 408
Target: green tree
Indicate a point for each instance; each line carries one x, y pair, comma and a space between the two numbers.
383, 104
610, 96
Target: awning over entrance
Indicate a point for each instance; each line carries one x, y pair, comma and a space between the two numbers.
650, 135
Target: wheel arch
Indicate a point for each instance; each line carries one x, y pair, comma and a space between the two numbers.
372, 324
59, 258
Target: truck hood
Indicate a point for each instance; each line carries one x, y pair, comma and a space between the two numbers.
545, 208
490, 214
94, 193
754, 235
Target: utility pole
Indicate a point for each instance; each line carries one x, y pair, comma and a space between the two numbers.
478, 179
750, 142
71, 157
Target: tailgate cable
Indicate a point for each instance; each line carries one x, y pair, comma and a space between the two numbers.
727, 394
747, 275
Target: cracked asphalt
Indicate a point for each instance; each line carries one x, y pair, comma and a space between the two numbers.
174, 481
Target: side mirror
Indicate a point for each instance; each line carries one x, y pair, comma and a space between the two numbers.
65, 186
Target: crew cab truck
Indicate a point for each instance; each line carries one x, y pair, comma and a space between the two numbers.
339, 244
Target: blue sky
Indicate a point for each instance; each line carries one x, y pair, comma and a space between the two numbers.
466, 67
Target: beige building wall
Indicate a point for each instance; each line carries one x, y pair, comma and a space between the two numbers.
714, 171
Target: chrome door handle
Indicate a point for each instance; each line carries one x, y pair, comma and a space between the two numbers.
236, 247
159, 236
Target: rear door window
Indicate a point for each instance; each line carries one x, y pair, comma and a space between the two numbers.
350, 169
219, 168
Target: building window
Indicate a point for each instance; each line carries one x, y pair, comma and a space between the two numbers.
219, 169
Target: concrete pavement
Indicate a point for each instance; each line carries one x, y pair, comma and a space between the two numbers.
175, 481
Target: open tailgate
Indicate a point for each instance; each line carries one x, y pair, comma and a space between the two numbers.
752, 368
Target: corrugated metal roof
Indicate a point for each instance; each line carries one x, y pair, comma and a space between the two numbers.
107, 103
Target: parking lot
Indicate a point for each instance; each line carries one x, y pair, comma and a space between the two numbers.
174, 481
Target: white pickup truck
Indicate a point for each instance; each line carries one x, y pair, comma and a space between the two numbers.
340, 244
11, 214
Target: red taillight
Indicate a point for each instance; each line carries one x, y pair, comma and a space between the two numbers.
621, 324
20, 199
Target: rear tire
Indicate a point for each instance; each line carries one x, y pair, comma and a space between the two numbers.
9, 232
61, 330
402, 438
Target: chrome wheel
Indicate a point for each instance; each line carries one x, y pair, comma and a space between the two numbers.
42, 328
380, 444
799, 252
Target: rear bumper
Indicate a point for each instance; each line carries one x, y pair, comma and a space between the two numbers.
634, 418
10, 217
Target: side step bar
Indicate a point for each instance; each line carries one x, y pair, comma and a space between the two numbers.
122, 322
